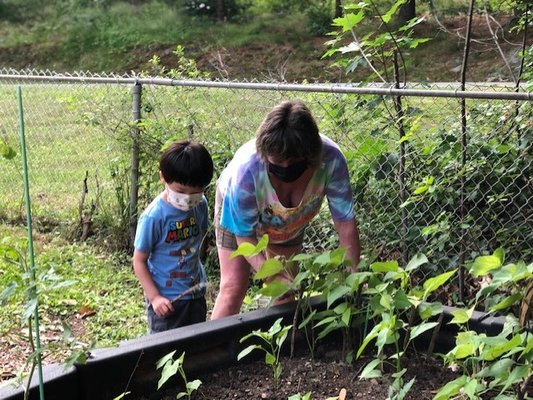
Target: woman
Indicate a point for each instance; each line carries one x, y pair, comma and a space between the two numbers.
275, 185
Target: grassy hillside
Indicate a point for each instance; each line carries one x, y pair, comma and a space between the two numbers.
123, 37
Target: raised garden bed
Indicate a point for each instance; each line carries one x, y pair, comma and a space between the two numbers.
211, 353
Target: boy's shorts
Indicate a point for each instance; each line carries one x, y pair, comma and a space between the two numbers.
186, 312
227, 240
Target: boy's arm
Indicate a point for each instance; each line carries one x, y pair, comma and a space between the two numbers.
161, 305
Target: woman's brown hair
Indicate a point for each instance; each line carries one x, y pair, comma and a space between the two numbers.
289, 131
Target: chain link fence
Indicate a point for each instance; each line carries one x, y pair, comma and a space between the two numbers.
424, 179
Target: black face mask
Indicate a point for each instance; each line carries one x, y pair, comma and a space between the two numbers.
290, 173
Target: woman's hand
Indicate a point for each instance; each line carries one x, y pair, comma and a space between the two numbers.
162, 306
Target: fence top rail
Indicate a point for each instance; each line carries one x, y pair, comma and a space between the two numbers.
341, 88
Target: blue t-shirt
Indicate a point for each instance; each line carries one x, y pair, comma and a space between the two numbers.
172, 238
251, 205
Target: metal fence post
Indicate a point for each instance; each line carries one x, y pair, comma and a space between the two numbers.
134, 190
464, 144
401, 174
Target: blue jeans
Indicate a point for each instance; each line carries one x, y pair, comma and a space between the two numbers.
186, 312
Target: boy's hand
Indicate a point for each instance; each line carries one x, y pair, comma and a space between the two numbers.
162, 306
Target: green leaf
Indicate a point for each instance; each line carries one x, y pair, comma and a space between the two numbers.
67, 331
387, 17
29, 310
419, 329
385, 266
487, 290
500, 253
298, 396
518, 374
415, 42
346, 316
7, 293
482, 265
349, 20
270, 359
270, 267
462, 316
494, 352
451, 388
470, 388
463, 350
302, 257
386, 301
338, 256
401, 301
371, 336
507, 302
274, 289
169, 370
194, 385
308, 318
247, 351
370, 371
415, 262
7, 152
325, 321
337, 293
282, 336
428, 310
433, 284
500, 369
121, 396
421, 190
529, 346
162, 361
246, 249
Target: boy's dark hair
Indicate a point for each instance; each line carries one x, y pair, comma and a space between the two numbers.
289, 131
187, 162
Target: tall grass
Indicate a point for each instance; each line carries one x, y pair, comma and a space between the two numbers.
98, 38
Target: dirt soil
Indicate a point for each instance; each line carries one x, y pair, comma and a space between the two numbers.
324, 377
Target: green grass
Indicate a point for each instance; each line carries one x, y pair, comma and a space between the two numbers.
63, 144
72, 130
99, 39
104, 283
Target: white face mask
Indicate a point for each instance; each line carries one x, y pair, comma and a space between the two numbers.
182, 201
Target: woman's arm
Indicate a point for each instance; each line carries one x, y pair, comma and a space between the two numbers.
349, 239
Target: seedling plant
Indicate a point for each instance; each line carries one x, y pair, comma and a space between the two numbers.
170, 368
270, 343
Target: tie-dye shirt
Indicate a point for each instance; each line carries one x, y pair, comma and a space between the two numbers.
250, 205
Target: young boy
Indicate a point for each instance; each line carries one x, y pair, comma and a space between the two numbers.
170, 233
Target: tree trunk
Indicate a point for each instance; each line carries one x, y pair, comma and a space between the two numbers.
338, 8
407, 12
221, 10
